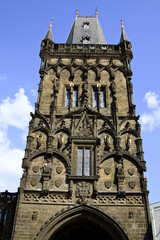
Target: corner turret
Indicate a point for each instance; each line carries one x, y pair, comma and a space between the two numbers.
48, 35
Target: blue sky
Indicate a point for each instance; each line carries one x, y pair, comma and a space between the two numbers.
23, 24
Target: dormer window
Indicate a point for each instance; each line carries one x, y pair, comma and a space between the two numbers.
86, 25
85, 39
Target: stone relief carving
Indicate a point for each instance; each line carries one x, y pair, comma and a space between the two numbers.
35, 169
34, 215
82, 191
132, 184
107, 170
46, 174
59, 170
113, 200
131, 171
34, 181
108, 184
130, 215
84, 127
120, 176
50, 198
58, 183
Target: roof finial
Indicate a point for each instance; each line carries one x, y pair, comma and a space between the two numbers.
122, 27
51, 22
76, 12
96, 12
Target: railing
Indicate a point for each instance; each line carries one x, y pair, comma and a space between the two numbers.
82, 48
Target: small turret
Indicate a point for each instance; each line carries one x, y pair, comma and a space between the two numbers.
123, 34
49, 33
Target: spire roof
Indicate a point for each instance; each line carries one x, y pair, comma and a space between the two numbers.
86, 30
49, 33
123, 34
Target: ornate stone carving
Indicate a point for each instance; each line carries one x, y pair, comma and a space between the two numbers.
39, 141
108, 184
120, 176
46, 174
50, 198
132, 184
34, 181
58, 183
35, 169
84, 128
82, 191
59, 170
34, 215
60, 141
107, 142
130, 215
131, 171
113, 200
107, 170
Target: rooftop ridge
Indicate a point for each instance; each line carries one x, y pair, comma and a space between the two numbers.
86, 16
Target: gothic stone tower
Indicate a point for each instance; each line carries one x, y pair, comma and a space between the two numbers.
83, 166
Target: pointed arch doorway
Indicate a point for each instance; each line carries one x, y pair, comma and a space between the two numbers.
82, 223
81, 229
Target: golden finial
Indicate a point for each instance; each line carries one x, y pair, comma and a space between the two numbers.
122, 27
76, 12
51, 22
96, 12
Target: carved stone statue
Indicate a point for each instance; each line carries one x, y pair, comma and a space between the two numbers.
39, 141
128, 143
113, 87
107, 141
120, 170
60, 140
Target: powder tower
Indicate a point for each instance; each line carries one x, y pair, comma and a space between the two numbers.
83, 166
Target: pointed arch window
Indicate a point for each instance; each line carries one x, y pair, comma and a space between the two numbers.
95, 97
71, 97
103, 97
67, 97
99, 97
84, 162
75, 97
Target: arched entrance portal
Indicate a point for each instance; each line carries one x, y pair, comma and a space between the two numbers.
81, 223
81, 229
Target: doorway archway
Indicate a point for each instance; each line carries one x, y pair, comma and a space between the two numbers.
82, 223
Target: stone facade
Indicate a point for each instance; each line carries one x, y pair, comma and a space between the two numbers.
83, 165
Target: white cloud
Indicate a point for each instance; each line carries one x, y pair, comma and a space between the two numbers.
34, 92
13, 112
152, 99
151, 120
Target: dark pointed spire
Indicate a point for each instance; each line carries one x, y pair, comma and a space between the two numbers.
123, 34
49, 33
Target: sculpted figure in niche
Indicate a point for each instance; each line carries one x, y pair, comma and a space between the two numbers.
47, 168
113, 87
120, 170
128, 143
107, 141
39, 141
60, 140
